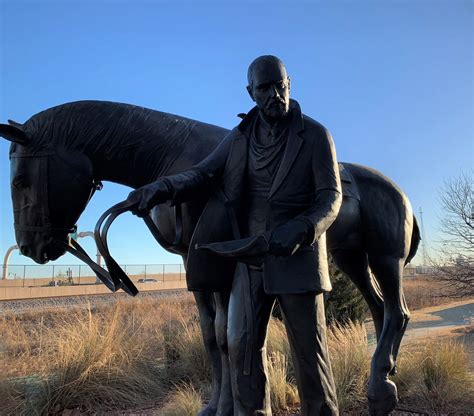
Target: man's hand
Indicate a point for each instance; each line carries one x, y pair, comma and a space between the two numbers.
286, 239
146, 197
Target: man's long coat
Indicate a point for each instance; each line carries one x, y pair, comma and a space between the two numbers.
308, 167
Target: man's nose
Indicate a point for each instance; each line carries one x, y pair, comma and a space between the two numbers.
274, 91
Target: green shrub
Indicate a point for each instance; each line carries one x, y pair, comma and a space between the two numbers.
345, 302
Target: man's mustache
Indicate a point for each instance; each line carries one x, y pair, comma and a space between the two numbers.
271, 103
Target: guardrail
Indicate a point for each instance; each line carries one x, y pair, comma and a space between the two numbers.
70, 275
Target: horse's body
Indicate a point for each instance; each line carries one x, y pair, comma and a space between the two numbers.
375, 230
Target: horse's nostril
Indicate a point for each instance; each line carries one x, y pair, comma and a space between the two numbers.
25, 251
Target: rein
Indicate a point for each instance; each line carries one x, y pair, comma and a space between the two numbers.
118, 276
76, 250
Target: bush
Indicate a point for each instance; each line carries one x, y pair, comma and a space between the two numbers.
345, 302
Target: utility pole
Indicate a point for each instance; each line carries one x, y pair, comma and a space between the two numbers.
423, 240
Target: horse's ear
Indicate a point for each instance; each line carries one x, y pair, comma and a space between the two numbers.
15, 124
14, 133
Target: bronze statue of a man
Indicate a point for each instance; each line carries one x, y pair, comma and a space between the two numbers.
277, 176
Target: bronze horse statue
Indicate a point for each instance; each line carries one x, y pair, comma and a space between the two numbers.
58, 156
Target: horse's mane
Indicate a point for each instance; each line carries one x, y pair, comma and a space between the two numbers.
108, 128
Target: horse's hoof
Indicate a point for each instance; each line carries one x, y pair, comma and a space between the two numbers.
209, 410
384, 399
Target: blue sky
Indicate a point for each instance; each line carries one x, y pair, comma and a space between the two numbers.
392, 80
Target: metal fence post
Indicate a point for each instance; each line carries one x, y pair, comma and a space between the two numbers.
164, 278
24, 275
145, 271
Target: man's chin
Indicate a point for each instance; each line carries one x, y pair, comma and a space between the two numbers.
277, 112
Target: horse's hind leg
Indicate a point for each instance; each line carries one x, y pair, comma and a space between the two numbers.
399, 337
207, 313
355, 265
382, 392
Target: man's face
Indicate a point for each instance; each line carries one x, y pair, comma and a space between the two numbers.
270, 90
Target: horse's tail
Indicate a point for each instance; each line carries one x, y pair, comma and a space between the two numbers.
415, 241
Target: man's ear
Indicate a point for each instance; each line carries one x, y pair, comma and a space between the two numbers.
249, 90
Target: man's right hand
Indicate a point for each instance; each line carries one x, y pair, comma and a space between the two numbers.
145, 198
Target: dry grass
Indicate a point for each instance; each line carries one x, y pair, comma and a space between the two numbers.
108, 361
424, 291
93, 359
283, 391
149, 352
446, 379
350, 363
184, 351
434, 375
184, 401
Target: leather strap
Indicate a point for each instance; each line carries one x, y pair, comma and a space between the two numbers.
248, 304
178, 216
118, 276
76, 250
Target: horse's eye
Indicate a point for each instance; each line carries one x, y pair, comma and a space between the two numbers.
19, 182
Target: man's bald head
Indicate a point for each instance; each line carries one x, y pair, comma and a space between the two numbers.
262, 65
269, 87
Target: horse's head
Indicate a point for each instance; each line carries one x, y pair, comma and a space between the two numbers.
50, 187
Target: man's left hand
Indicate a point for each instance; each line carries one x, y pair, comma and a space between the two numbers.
286, 239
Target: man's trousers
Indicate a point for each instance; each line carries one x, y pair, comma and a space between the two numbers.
305, 324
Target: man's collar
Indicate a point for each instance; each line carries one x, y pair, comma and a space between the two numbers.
296, 118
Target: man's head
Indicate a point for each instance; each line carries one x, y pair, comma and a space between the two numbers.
269, 86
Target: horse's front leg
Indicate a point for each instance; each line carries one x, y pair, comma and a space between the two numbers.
226, 405
207, 314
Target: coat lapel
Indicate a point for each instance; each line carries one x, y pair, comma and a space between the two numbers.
292, 149
234, 172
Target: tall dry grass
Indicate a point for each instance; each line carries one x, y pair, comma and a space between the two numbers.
435, 375
94, 359
111, 362
350, 361
185, 400
147, 352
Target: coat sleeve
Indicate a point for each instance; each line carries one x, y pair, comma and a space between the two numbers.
328, 196
200, 178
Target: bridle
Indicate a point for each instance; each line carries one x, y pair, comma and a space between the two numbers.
72, 246
114, 277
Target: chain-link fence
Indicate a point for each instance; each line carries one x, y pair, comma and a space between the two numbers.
68, 275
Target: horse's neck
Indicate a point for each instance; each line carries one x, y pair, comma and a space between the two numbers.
132, 145
173, 144
134, 168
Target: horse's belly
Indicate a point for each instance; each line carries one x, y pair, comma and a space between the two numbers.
345, 232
